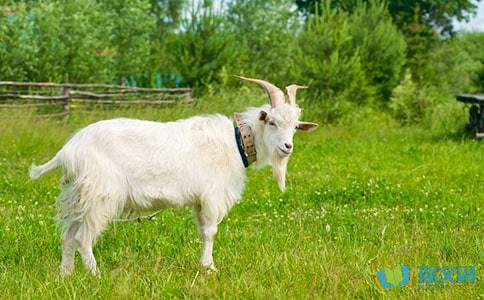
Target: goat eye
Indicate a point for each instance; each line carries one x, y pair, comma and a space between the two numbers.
272, 123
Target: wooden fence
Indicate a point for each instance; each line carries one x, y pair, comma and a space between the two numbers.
61, 97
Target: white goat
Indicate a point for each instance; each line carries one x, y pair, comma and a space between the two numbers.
126, 165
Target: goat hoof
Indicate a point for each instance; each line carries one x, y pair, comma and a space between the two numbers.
210, 268
65, 272
96, 273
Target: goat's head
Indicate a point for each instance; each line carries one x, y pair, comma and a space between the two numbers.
276, 126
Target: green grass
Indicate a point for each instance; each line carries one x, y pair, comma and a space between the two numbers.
361, 196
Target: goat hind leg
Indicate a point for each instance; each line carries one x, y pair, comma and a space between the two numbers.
69, 247
88, 258
86, 238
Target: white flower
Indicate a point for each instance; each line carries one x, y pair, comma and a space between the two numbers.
328, 228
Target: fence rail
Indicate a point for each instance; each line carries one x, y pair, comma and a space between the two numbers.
21, 95
92, 85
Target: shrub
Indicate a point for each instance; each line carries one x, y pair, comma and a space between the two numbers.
265, 33
203, 48
70, 36
18, 54
381, 47
130, 36
472, 43
326, 61
407, 102
429, 106
350, 58
450, 68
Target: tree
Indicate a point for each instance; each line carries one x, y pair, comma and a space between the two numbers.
350, 58
422, 21
54, 41
167, 14
327, 61
203, 48
381, 47
472, 42
131, 40
266, 32
18, 55
69, 35
433, 14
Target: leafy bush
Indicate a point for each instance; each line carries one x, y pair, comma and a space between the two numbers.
70, 36
18, 55
349, 58
327, 62
266, 31
203, 49
430, 106
407, 102
451, 68
472, 43
381, 47
131, 36
77, 41
55, 41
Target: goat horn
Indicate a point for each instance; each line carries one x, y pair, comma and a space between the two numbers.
275, 94
291, 92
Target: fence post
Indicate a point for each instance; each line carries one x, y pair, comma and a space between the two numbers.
187, 97
65, 102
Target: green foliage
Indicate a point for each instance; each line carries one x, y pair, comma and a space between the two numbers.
327, 60
432, 14
266, 34
55, 41
408, 103
202, 49
381, 47
131, 35
349, 58
452, 66
432, 107
70, 36
472, 43
167, 14
423, 22
18, 56
78, 41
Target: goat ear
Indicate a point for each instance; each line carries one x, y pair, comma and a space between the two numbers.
307, 126
262, 116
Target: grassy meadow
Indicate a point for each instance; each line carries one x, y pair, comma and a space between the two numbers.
362, 194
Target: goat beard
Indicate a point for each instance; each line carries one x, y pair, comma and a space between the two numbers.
279, 168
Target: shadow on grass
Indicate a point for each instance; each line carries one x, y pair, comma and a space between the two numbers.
459, 136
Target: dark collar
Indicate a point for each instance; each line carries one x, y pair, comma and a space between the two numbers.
245, 140
240, 146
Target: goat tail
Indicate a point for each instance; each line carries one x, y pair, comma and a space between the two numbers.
37, 171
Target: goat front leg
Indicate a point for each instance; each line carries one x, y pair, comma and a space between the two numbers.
207, 226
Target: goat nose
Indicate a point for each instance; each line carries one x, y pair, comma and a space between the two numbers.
288, 146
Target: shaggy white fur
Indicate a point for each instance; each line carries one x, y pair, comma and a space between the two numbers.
124, 165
